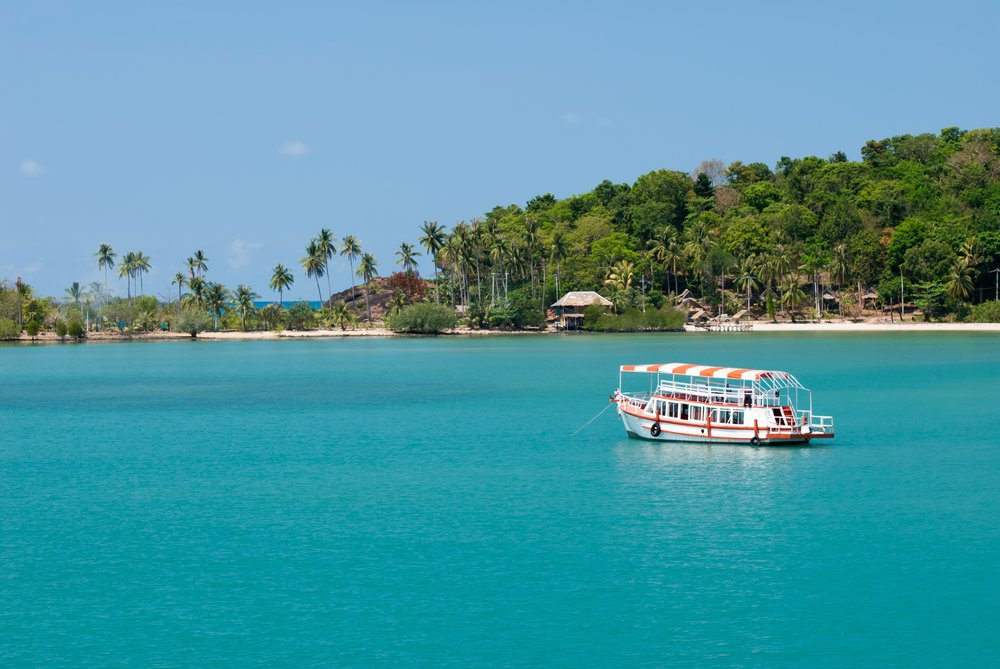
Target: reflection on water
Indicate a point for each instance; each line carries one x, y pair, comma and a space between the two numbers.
712, 480
654, 456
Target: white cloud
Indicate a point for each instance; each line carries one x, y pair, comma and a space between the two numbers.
31, 168
294, 148
240, 252
571, 117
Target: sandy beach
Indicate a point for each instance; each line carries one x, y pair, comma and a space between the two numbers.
758, 326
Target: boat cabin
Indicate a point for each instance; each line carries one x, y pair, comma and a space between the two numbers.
698, 402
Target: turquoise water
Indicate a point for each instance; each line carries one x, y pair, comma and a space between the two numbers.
420, 502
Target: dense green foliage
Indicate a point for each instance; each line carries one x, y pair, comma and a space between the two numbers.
9, 329
423, 318
916, 220
987, 312
75, 329
192, 321
925, 206
633, 320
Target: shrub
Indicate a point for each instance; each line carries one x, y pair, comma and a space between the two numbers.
9, 329
32, 328
192, 321
75, 329
299, 316
61, 328
987, 312
423, 318
517, 315
666, 319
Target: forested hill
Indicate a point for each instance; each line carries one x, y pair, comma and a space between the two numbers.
926, 206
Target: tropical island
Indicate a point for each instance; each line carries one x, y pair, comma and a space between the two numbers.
909, 232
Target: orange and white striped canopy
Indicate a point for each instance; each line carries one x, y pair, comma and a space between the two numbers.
705, 370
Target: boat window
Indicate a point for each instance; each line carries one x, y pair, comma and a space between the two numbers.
673, 410
684, 412
737, 418
661, 407
696, 413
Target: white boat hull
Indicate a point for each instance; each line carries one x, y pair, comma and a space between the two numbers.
642, 428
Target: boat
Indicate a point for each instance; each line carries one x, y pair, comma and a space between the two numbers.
726, 405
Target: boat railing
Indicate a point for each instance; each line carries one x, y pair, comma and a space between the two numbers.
823, 424
703, 393
638, 400
716, 395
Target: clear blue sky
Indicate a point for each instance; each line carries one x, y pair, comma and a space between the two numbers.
242, 128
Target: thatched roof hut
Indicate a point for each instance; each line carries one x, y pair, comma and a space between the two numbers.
743, 314
577, 299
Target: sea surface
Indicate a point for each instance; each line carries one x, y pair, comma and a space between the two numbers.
424, 502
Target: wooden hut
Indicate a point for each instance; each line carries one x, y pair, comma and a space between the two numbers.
569, 308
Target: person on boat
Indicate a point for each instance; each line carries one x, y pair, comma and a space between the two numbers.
747, 402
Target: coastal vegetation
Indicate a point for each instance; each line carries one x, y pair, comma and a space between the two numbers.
913, 227
423, 318
663, 319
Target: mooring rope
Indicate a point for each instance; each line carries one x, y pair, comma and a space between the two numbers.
580, 429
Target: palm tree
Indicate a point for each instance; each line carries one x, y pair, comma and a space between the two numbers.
198, 263
313, 263
699, 247
532, 242
327, 245
558, 252
216, 298
351, 247
406, 256
499, 253
198, 286
126, 270
960, 284
180, 280
99, 292
105, 260
462, 238
397, 302
75, 293
839, 272
270, 315
342, 315
368, 270
620, 277
792, 295
452, 254
244, 298
781, 268
281, 280
433, 241
746, 280
970, 250
141, 266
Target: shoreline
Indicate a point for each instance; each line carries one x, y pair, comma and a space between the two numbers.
846, 326
758, 326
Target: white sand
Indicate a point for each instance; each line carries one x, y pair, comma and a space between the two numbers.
758, 326
845, 326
